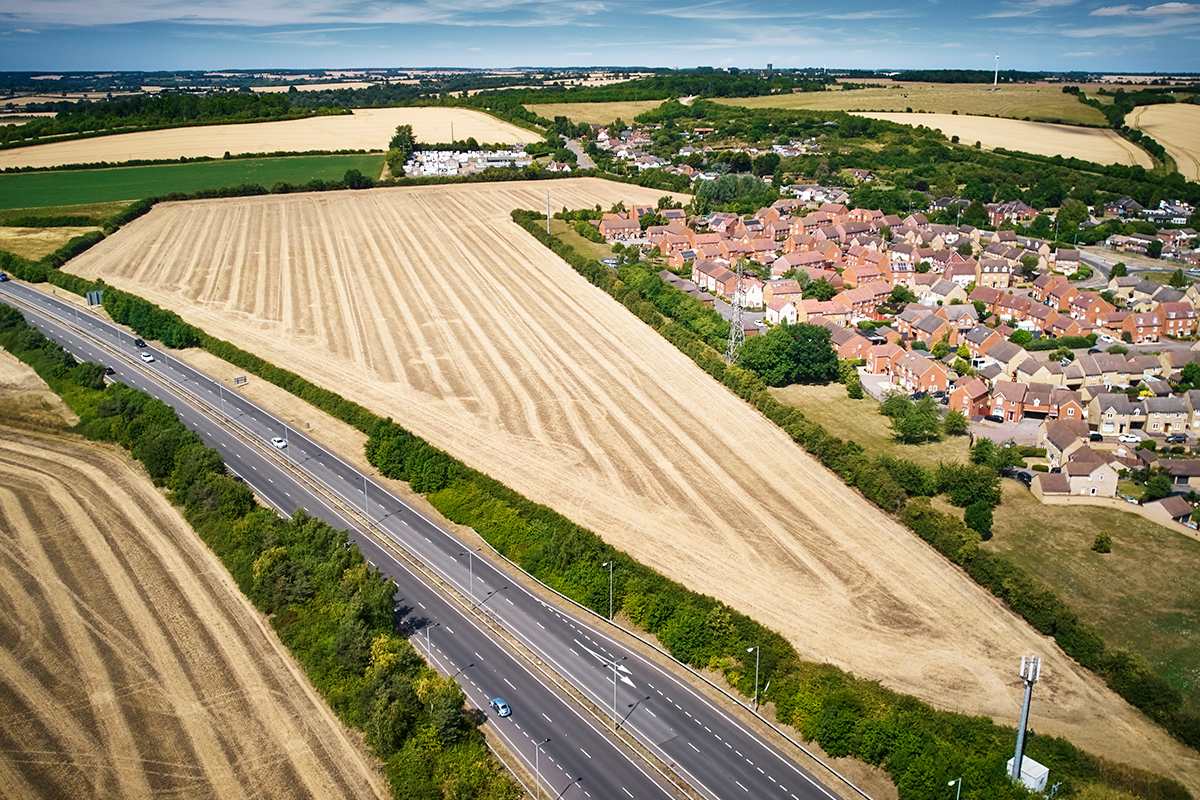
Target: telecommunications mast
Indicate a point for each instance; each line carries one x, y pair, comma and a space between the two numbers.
1031, 670
737, 329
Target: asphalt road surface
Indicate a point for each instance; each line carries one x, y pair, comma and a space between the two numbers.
451, 604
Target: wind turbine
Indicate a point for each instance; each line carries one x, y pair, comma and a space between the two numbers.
996, 76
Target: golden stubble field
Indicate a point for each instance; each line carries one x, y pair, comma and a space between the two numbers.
130, 664
1101, 145
429, 305
1038, 102
1177, 128
365, 129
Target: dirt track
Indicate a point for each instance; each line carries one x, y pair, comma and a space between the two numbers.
130, 664
473, 335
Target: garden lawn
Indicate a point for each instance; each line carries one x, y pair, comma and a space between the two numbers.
30, 190
861, 421
1143, 595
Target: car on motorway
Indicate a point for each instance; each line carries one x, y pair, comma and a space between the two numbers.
1129, 438
3, 277
279, 442
138, 343
109, 371
499, 706
147, 356
1176, 438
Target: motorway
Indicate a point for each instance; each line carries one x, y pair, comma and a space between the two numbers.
471, 619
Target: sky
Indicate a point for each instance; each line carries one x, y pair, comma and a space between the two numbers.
1035, 35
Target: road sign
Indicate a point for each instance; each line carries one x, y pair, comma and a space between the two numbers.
95, 298
239, 380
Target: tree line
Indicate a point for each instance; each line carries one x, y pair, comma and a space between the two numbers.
328, 607
903, 488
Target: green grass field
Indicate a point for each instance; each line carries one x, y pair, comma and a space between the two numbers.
1143, 595
31, 190
861, 421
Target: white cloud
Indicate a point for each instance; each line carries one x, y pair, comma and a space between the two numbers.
1087, 54
952, 44
1027, 8
1161, 10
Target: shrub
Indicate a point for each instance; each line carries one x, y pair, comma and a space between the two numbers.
1103, 543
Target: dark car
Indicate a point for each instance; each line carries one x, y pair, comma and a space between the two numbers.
1025, 477
1094, 351
138, 343
3, 277
1095, 437
1056, 470
994, 418
919, 395
109, 371
1176, 438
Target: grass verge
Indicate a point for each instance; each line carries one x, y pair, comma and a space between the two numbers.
861, 421
1143, 596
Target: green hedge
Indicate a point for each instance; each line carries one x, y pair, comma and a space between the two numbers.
332, 612
890, 482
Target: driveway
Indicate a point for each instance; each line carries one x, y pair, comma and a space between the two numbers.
1023, 432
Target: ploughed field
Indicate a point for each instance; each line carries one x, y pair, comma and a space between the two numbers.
365, 129
130, 664
427, 304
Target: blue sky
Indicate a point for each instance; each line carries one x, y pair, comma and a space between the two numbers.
48, 35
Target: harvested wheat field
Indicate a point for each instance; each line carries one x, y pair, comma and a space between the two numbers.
1035, 101
365, 129
483, 342
1177, 128
595, 113
130, 664
1101, 145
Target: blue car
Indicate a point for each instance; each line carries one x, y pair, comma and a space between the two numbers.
500, 707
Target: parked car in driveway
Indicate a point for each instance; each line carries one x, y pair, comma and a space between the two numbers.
1025, 477
1095, 437
1176, 438
500, 707
1129, 438
994, 418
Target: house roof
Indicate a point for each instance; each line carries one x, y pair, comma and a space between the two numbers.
1175, 505
1182, 467
1062, 433
1053, 482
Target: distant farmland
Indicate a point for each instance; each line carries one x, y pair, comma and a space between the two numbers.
1101, 145
1037, 102
365, 129
594, 113
41, 189
1177, 128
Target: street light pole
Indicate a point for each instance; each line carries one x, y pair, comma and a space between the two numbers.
958, 791
537, 770
428, 649
609, 564
614, 671
470, 554
757, 652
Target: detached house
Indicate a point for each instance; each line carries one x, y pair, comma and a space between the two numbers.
970, 396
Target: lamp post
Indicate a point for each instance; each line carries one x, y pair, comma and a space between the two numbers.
614, 672
470, 554
958, 791
757, 652
537, 770
609, 564
428, 649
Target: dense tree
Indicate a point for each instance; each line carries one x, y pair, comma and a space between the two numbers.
975, 214
819, 290
790, 354
978, 517
955, 423
1119, 270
